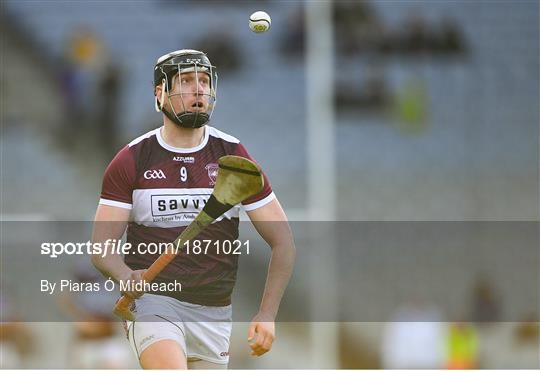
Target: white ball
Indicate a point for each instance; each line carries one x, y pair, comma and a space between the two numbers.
259, 22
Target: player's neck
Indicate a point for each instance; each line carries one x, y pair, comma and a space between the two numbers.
179, 137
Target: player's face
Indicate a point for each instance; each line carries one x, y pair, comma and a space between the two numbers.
191, 92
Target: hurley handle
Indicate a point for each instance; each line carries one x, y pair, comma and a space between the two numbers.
122, 307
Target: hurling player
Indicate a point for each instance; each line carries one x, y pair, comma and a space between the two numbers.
155, 186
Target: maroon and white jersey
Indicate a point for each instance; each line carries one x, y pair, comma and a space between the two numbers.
165, 188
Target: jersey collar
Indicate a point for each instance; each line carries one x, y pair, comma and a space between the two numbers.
168, 147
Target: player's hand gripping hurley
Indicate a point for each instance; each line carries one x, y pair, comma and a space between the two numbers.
238, 178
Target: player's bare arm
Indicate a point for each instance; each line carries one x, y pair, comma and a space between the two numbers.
271, 223
110, 223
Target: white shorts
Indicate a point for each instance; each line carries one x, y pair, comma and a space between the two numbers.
202, 332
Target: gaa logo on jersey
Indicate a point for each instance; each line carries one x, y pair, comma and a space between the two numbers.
154, 174
212, 172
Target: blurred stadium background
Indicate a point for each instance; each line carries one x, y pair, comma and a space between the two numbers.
436, 107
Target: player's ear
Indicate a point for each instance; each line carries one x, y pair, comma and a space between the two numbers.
159, 93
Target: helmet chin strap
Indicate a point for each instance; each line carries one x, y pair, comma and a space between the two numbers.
190, 120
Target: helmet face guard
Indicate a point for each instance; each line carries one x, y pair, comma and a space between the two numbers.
167, 73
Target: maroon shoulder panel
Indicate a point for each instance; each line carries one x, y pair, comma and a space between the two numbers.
240, 150
119, 178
